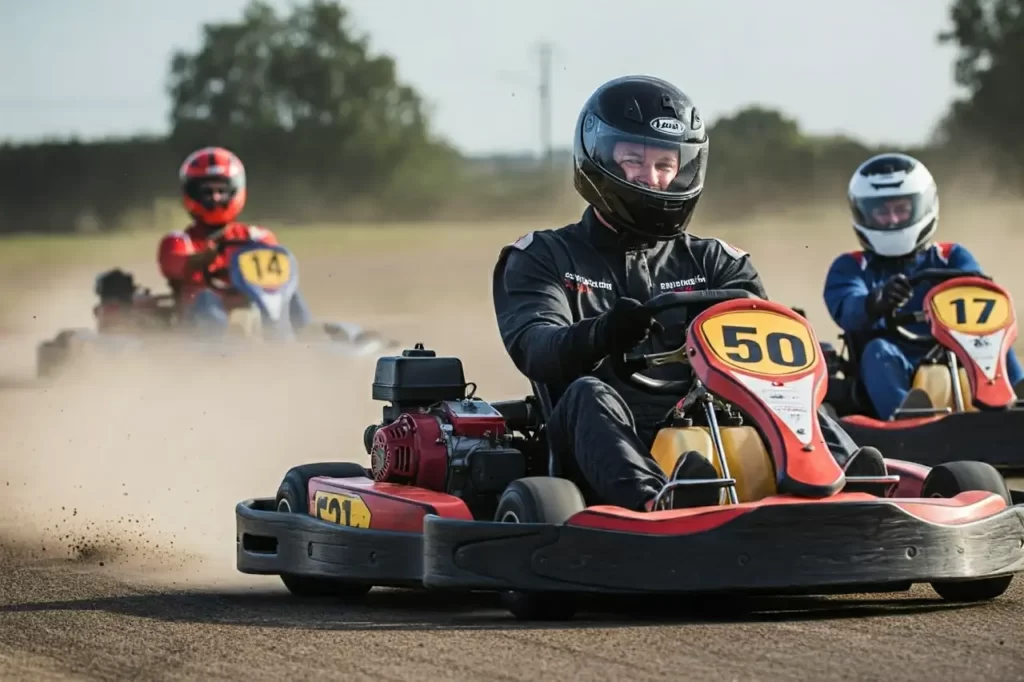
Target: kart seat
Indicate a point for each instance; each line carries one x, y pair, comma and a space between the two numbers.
934, 380
750, 465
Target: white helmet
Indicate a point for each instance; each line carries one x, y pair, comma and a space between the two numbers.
895, 204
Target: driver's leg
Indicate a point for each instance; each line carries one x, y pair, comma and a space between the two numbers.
594, 428
886, 372
207, 313
853, 459
838, 441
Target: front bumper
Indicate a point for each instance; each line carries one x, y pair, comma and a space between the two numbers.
269, 542
797, 548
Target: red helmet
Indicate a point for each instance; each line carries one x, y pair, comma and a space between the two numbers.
213, 185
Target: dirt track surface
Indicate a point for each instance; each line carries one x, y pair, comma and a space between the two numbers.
68, 618
117, 529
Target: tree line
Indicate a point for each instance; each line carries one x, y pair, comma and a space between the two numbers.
330, 134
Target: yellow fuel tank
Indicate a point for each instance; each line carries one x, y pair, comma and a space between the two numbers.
749, 462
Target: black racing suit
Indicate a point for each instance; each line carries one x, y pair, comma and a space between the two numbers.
550, 286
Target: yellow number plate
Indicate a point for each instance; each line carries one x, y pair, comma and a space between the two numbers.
342, 509
760, 342
971, 309
265, 268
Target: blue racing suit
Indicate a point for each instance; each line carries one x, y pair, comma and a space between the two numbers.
887, 365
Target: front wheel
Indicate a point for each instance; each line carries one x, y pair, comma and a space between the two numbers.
539, 500
293, 498
949, 480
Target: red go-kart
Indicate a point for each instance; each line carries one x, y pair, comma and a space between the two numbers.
463, 494
976, 413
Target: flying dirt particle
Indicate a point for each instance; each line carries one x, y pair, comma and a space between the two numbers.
101, 563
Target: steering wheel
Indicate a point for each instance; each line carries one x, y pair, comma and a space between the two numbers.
895, 320
627, 366
211, 276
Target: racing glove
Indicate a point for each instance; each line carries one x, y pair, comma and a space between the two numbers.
623, 327
884, 299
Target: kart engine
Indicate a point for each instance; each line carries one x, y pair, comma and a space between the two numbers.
433, 436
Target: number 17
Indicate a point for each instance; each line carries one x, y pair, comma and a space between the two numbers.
961, 309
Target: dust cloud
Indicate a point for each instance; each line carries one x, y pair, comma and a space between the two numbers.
135, 464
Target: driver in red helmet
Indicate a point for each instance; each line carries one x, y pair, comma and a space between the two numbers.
214, 193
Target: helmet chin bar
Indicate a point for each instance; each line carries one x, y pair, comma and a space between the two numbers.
880, 242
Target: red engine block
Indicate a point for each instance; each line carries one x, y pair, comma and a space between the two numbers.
411, 450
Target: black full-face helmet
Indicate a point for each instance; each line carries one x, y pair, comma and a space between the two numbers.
640, 154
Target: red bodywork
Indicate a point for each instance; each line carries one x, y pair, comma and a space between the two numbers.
964, 508
894, 425
813, 468
911, 477
994, 393
394, 507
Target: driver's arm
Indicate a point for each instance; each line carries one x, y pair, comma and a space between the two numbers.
534, 318
198, 262
731, 268
962, 259
178, 259
846, 294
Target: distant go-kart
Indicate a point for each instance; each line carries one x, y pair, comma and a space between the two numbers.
262, 278
976, 413
462, 494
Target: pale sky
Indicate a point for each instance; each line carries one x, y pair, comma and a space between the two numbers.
870, 68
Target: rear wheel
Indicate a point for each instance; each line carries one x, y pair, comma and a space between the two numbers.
949, 480
293, 498
539, 500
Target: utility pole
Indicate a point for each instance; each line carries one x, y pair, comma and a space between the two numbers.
544, 91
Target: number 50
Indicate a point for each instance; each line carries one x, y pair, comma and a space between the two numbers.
756, 348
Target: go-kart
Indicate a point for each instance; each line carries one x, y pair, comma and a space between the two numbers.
975, 411
258, 284
462, 494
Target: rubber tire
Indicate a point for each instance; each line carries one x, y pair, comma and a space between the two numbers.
949, 480
294, 490
540, 499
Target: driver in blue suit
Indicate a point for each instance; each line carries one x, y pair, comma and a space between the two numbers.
895, 206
